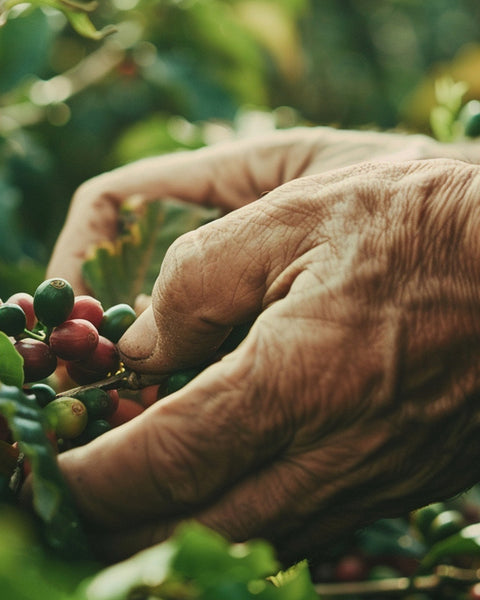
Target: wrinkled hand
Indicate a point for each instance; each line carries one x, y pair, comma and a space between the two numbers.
353, 397
226, 176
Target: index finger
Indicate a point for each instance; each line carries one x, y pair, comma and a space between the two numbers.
227, 176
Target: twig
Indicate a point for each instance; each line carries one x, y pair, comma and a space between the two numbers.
443, 574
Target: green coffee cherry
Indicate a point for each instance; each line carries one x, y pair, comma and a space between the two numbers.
469, 117
98, 403
67, 416
12, 319
53, 301
116, 320
178, 380
93, 430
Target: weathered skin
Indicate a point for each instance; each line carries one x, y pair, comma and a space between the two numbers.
355, 394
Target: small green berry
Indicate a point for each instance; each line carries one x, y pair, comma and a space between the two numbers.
12, 319
53, 301
178, 380
93, 430
116, 320
98, 403
67, 416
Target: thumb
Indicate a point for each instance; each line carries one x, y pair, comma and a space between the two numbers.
216, 277
182, 452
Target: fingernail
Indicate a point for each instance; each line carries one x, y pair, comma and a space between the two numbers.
139, 341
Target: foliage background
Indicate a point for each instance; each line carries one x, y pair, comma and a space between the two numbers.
184, 73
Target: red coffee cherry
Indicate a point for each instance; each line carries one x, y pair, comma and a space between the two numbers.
74, 339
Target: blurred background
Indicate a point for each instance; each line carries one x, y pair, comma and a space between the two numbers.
184, 73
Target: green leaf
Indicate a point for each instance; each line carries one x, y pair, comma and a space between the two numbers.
157, 134
449, 94
147, 569
24, 48
466, 542
52, 499
219, 559
11, 363
199, 564
383, 538
118, 271
296, 582
27, 570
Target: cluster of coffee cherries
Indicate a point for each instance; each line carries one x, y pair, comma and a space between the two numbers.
55, 331
394, 548
54, 324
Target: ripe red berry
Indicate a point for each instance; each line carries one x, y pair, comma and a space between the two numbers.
102, 361
88, 308
114, 398
38, 359
127, 410
351, 567
25, 301
74, 339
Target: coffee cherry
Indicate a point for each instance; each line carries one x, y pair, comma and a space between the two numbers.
98, 402
38, 359
12, 319
114, 399
43, 393
180, 379
67, 416
126, 411
93, 430
351, 567
116, 320
25, 301
103, 361
470, 118
88, 308
53, 301
74, 339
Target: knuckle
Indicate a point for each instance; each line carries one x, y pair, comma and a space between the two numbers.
181, 271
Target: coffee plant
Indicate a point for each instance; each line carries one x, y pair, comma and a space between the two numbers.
55, 351
57, 348
73, 337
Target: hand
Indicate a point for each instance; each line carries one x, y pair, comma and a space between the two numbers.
227, 176
355, 394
